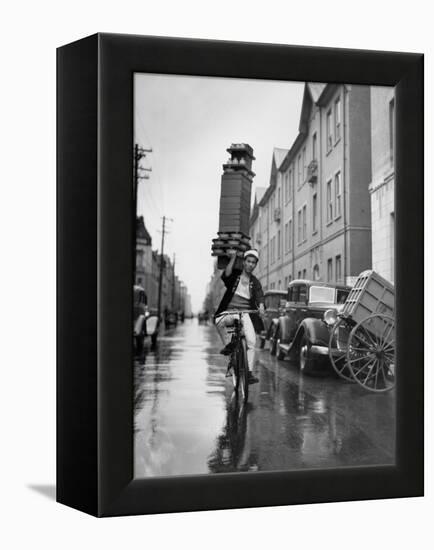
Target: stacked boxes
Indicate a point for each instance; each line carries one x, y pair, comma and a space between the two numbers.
235, 195
235, 204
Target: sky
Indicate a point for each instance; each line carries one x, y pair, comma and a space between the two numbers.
189, 122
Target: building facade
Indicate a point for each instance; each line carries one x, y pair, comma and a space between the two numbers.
144, 257
382, 185
174, 294
214, 291
314, 220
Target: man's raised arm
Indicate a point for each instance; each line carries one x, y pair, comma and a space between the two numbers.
232, 257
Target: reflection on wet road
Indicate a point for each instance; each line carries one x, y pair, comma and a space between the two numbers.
187, 419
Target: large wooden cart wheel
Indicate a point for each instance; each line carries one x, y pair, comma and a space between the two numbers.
371, 353
338, 344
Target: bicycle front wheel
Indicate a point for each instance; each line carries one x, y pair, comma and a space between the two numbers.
243, 371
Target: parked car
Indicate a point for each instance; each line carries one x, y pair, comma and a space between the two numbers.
170, 318
145, 323
274, 302
203, 317
301, 331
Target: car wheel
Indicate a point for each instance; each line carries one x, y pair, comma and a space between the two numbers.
276, 336
280, 352
305, 361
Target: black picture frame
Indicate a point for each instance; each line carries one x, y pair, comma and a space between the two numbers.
95, 273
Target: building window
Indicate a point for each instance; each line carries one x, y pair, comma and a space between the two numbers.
314, 153
278, 198
292, 182
303, 166
299, 170
314, 213
286, 186
338, 192
290, 235
329, 202
392, 129
299, 275
286, 282
279, 284
337, 119
288, 183
329, 137
304, 274
329, 270
286, 245
299, 227
304, 222
279, 247
315, 272
338, 269
139, 258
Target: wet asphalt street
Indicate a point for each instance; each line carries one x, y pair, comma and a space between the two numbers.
187, 420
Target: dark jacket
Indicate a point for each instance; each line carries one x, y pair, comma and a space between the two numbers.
256, 296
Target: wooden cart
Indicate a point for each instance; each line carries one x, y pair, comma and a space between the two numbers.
362, 341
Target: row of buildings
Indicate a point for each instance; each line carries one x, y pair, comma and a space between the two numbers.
174, 293
327, 211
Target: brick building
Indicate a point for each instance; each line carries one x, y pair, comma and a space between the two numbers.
314, 219
174, 294
144, 257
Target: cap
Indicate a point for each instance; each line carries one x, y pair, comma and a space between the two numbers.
251, 253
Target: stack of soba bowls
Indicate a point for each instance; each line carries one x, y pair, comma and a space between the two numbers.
234, 215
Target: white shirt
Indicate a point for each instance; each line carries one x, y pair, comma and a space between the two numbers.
243, 288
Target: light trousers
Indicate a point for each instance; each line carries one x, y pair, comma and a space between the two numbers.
222, 322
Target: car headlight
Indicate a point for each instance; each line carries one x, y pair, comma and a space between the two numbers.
330, 317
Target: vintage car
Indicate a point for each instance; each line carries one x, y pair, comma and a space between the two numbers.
145, 321
274, 302
301, 331
170, 318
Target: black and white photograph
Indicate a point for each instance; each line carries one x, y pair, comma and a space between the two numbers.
216, 282
264, 296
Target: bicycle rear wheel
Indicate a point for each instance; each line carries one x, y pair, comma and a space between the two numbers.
243, 371
234, 370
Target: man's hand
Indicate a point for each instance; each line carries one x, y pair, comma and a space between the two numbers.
231, 252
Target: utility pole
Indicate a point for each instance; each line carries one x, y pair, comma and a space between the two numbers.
160, 282
139, 153
173, 283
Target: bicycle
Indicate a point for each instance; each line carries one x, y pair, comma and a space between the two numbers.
238, 357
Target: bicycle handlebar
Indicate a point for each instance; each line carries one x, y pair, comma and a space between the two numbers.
237, 312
